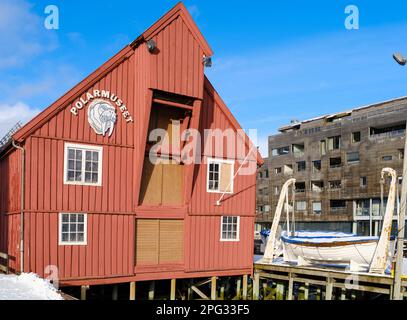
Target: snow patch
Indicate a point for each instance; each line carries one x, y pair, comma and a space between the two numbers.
26, 286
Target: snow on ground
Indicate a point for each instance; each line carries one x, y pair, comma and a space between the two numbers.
27, 286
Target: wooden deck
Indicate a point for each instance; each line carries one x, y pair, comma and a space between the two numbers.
329, 283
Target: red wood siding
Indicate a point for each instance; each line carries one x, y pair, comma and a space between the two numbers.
108, 253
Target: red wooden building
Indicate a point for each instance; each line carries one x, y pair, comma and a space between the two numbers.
95, 207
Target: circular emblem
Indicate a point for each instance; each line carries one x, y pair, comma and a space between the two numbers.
102, 117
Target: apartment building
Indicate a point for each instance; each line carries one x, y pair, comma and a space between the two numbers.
337, 160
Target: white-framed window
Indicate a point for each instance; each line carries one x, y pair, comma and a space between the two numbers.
220, 175
301, 205
229, 228
83, 164
72, 229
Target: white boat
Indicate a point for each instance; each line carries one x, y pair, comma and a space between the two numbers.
359, 253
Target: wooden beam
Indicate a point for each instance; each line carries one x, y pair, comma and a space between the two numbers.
213, 288
256, 286
173, 289
199, 293
132, 291
245, 287
151, 291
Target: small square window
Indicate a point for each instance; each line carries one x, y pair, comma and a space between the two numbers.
220, 175
356, 137
230, 228
72, 228
83, 165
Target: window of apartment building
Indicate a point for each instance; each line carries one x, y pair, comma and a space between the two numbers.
401, 154
363, 182
356, 136
267, 208
337, 205
388, 130
72, 228
276, 190
322, 147
277, 170
335, 184
259, 208
316, 166
266, 173
298, 150
301, 166
301, 205
260, 175
335, 162
230, 228
300, 187
317, 186
220, 175
400, 179
353, 157
280, 151
363, 207
83, 164
316, 207
334, 142
288, 169
387, 158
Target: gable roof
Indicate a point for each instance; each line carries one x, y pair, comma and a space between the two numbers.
178, 10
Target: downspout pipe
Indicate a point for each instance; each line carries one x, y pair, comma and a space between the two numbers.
22, 204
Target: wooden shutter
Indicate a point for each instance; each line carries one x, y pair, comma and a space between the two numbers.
151, 184
226, 175
173, 184
171, 241
147, 241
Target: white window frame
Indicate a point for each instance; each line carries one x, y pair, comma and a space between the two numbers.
237, 230
85, 230
84, 148
220, 161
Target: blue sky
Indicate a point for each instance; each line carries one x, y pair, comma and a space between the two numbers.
274, 60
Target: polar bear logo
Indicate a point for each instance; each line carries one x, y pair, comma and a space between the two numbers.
102, 117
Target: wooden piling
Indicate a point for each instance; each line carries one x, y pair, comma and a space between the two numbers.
306, 291
115, 292
290, 287
238, 285
256, 286
132, 295
328, 289
173, 289
151, 290
245, 287
83, 292
213, 288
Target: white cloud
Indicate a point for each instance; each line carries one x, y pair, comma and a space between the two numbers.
11, 114
22, 34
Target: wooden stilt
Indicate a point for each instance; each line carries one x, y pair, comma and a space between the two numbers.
329, 289
115, 292
280, 291
151, 291
290, 287
190, 291
245, 287
256, 286
173, 289
306, 291
83, 292
222, 293
238, 285
213, 288
132, 295
343, 294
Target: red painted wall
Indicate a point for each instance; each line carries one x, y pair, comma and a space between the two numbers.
113, 208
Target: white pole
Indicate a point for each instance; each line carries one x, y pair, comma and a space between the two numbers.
397, 294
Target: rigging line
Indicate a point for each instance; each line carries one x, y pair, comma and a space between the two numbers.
368, 263
230, 182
